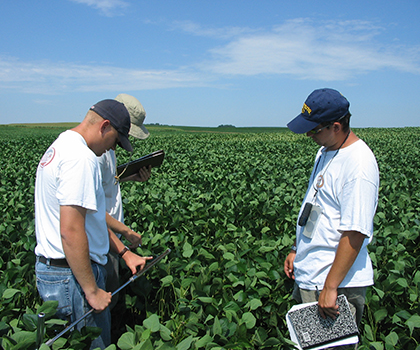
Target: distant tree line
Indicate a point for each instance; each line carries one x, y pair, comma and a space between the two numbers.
226, 126
220, 126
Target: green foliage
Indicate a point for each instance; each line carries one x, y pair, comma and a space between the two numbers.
226, 204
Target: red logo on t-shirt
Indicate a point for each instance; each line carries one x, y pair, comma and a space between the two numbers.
47, 157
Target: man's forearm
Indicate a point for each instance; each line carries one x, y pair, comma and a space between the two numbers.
115, 243
115, 225
76, 246
118, 227
347, 251
79, 262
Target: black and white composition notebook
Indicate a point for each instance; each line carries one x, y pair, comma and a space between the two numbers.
310, 331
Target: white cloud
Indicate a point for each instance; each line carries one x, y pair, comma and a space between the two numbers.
301, 49
298, 49
51, 78
107, 7
194, 28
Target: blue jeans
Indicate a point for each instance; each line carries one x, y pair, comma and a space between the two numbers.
59, 283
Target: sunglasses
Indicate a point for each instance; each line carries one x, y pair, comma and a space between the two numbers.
316, 131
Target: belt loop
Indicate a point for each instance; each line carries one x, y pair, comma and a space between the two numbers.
48, 263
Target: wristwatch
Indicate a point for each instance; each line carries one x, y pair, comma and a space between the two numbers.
123, 251
293, 247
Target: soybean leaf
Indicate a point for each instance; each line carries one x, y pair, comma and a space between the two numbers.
380, 314
126, 341
249, 319
413, 322
185, 344
10, 293
152, 323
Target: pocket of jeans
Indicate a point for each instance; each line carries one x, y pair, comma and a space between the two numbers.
56, 288
99, 272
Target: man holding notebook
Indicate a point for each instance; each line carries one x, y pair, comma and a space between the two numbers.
335, 223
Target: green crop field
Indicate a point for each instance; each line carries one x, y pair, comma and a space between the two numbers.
225, 201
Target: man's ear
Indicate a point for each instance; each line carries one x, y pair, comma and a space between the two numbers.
105, 125
336, 127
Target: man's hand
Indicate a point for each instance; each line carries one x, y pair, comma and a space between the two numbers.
99, 299
327, 303
133, 261
134, 238
142, 176
288, 265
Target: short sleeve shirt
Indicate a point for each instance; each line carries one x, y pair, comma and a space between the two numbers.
69, 174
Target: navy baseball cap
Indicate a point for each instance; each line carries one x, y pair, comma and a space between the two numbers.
119, 118
322, 105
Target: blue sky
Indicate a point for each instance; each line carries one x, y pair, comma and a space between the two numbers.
206, 63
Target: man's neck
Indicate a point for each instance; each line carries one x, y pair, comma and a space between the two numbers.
87, 132
344, 140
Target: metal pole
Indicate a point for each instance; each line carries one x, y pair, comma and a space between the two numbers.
40, 329
132, 278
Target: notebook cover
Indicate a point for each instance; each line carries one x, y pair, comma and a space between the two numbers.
312, 330
154, 159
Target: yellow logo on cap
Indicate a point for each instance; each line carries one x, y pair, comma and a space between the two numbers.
306, 108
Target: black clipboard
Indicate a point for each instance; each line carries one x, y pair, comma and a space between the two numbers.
154, 159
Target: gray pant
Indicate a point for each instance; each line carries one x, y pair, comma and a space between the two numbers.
112, 277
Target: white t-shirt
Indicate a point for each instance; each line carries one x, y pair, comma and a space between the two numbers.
348, 198
69, 174
114, 207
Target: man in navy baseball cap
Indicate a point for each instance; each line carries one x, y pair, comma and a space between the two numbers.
119, 118
321, 106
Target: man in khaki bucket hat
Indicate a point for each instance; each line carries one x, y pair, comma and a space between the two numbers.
114, 207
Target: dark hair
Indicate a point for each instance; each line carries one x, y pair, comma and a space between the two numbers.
344, 121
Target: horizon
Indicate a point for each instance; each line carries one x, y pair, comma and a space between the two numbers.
53, 124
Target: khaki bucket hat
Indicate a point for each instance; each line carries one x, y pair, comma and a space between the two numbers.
137, 115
